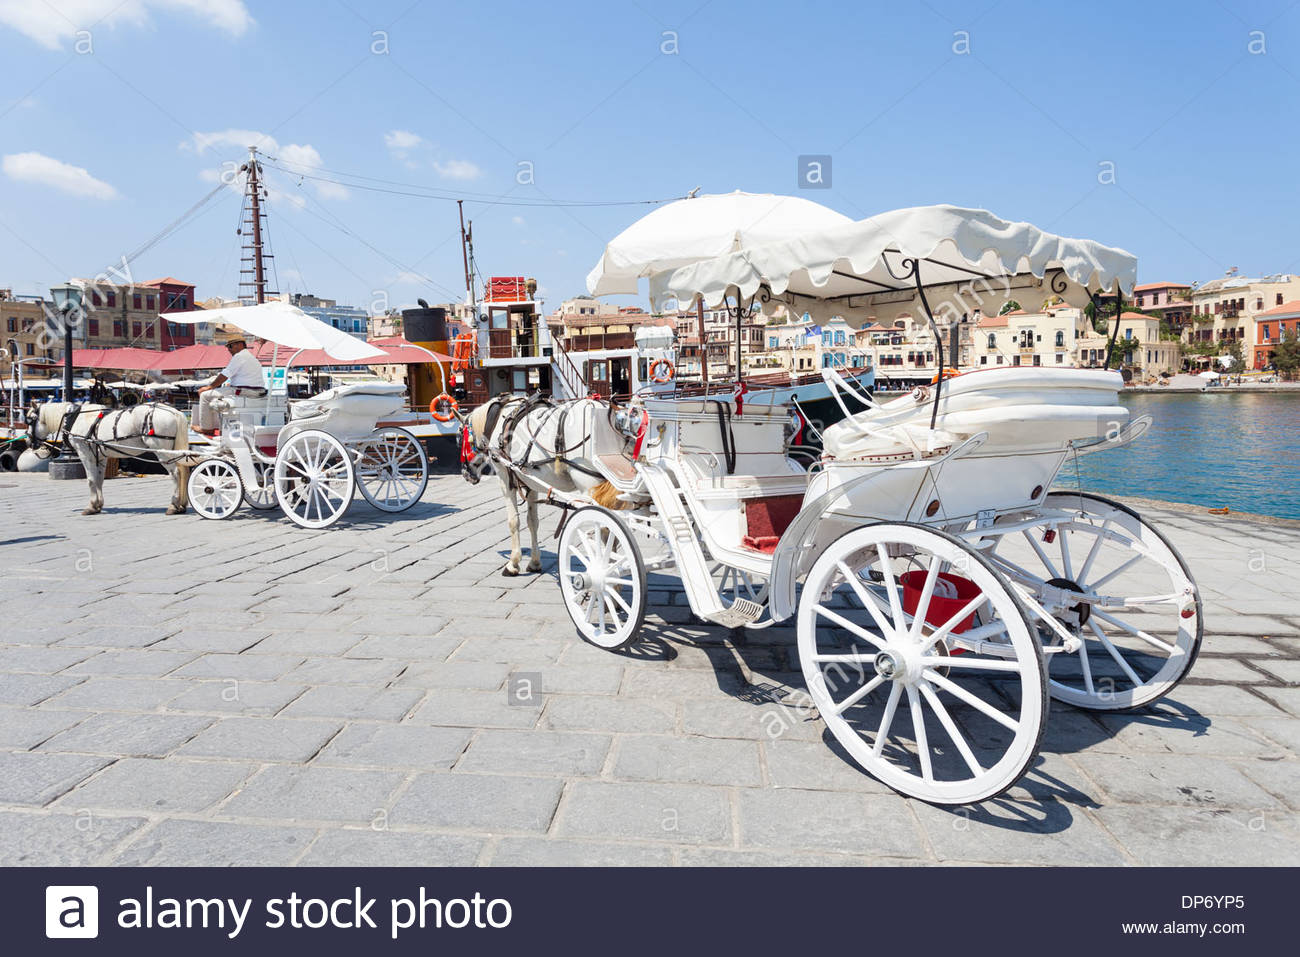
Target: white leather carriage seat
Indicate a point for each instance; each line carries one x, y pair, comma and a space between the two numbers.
254, 411
1018, 407
365, 398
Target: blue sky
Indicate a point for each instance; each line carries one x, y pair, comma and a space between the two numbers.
1194, 104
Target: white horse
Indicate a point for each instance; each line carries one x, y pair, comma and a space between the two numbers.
98, 433
551, 446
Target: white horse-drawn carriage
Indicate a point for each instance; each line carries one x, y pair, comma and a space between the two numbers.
941, 587
308, 456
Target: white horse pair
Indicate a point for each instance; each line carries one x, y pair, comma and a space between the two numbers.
552, 447
98, 433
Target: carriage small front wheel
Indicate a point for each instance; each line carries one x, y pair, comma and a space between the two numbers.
921, 661
261, 498
215, 488
602, 578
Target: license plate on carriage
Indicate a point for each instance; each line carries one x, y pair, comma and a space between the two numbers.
984, 518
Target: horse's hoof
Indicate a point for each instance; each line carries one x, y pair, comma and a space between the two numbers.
173, 510
509, 573
90, 511
534, 567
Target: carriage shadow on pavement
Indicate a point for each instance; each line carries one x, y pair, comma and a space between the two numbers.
760, 668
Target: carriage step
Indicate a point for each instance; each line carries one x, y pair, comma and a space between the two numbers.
741, 613
689, 557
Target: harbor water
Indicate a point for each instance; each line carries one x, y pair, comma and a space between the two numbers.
1239, 450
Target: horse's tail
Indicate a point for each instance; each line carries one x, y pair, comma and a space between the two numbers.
606, 495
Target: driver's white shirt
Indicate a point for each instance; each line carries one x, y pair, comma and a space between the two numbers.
243, 370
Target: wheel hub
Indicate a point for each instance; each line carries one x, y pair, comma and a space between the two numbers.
891, 665
1074, 616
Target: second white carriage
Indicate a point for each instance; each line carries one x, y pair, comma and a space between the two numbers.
311, 456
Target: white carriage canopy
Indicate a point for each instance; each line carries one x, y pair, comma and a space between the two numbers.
287, 325
968, 259
702, 228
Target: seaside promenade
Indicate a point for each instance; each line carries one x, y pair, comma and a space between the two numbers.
176, 691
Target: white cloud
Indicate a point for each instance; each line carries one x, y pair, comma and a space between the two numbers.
457, 169
306, 159
47, 171
302, 158
52, 26
413, 151
401, 144
518, 221
402, 140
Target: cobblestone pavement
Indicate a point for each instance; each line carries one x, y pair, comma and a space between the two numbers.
179, 691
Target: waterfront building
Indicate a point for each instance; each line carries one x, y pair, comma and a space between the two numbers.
1226, 310
1018, 338
23, 320
350, 319
587, 307
1143, 348
1271, 327
128, 314
1171, 301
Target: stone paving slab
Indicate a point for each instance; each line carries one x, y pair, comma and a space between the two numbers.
249, 692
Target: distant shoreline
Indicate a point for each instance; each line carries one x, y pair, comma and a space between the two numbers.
1217, 389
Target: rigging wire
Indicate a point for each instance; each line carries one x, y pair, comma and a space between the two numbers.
170, 228
432, 192
333, 220
190, 215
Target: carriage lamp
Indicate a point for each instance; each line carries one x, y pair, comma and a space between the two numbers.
67, 300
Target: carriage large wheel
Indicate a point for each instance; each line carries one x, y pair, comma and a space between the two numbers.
214, 488
602, 578
922, 663
1140, 628
393, 470
262, 498
314, 478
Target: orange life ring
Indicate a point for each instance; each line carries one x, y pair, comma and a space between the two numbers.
667, 376
451, 402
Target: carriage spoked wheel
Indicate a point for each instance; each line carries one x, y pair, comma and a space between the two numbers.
602, 578
262, 498
314, 478
922, 663
1138, 617
393, 470
215, 488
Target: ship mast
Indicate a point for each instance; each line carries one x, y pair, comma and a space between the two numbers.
253, 262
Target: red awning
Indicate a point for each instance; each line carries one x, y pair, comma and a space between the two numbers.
194, 357
126, 359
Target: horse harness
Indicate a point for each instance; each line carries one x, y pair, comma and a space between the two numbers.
93, 437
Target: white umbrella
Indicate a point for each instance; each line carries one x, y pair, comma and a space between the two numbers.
849, 270
1210, 375
705, 227
285, 324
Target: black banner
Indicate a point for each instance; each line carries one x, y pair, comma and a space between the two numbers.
987, 910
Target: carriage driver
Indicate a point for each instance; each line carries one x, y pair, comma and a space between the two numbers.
241, 376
